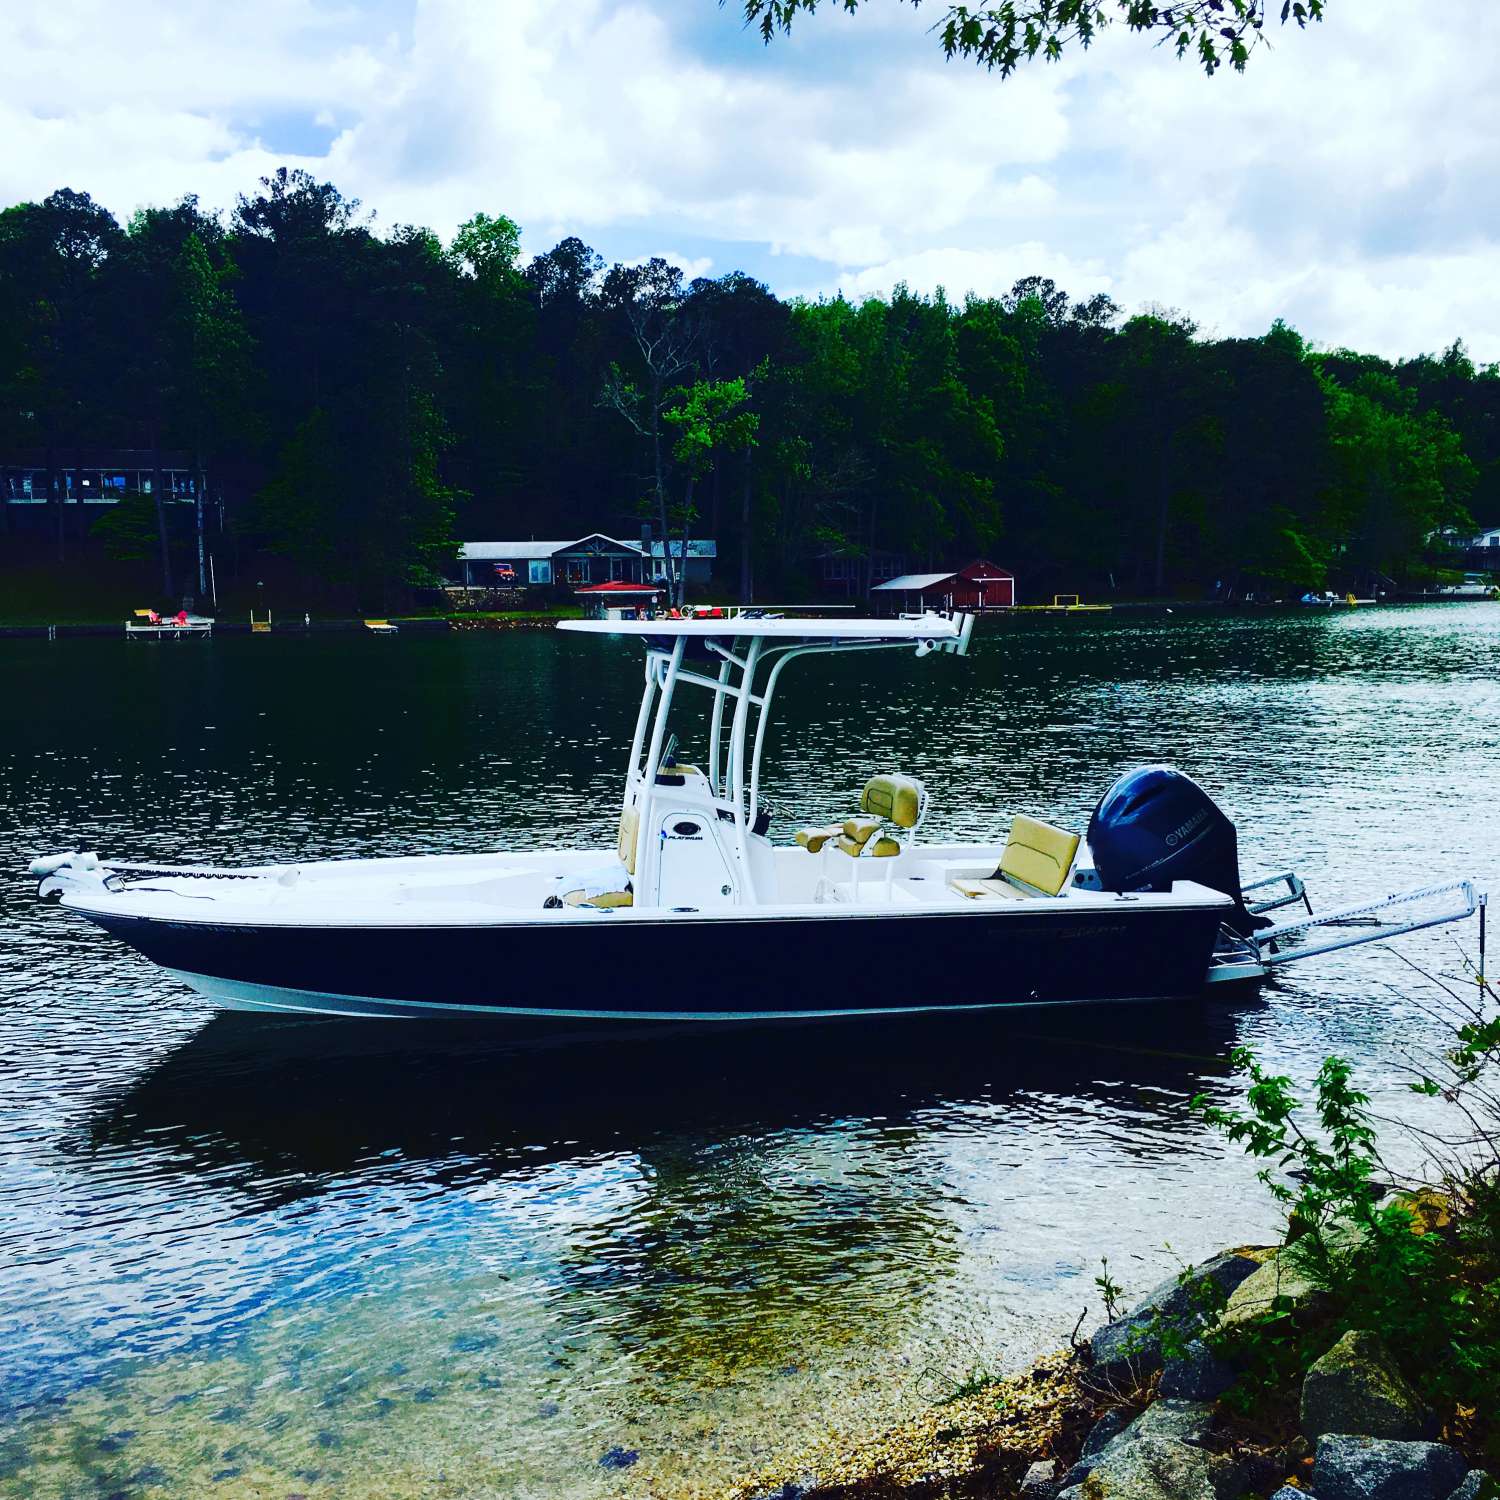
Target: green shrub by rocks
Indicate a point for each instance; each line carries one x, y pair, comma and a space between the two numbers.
1430, 1282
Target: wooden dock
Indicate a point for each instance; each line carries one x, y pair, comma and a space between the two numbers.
1064, 604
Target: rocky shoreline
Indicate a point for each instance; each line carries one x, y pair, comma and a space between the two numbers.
1142, 1411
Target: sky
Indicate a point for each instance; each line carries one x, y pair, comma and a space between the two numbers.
1343, 183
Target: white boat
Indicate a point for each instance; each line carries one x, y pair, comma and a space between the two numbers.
696, 914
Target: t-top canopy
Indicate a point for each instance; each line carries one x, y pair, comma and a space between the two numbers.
915, 628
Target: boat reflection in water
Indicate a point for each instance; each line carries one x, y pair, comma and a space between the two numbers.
381, 1254
705, 1197
249, 1096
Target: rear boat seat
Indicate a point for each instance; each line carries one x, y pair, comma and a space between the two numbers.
1036, 862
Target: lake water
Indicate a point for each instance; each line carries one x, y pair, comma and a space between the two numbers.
275, 1257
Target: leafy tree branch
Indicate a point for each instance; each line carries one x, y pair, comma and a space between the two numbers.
1001, 37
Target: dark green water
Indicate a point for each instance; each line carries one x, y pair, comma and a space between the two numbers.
345, 1259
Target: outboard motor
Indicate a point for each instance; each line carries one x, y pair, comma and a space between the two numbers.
1154, 826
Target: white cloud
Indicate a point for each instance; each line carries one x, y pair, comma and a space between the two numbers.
691, 266
1342, 183
990, 272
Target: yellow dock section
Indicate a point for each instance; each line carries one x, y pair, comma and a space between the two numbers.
1064, 604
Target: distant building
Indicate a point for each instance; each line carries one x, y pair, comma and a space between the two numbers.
1487, 544
701, 556
980, 585
591, 559
85, 480
845, 574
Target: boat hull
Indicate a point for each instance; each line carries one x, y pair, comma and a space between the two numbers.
735, 968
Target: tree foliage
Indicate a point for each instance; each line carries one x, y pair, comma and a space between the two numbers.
1002, 36
360, 400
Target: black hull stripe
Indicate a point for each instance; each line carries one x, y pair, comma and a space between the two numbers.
783, 966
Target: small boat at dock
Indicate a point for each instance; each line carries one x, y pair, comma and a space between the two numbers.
696, 913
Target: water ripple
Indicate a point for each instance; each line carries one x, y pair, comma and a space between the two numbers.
375, 1256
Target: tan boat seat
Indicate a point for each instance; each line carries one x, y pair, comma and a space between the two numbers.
1035, 862
887, 798
975, 888
602, 899
897, 799
813, 839
857, 832
630, 828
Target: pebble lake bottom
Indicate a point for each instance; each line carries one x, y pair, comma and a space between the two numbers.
261, 1256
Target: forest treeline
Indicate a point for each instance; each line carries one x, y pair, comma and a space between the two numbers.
361, 400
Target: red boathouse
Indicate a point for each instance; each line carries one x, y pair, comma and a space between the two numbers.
980, 585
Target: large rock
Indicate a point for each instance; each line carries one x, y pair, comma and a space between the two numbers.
1356, 1388
1475, 1483
1039, 1481
1160, 1468
1175, 1421
1104, 1432
1130, 1347
1197, 1374
1186, 1420
1281, 1277
1362, 1468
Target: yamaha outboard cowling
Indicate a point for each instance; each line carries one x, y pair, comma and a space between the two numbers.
1156, 825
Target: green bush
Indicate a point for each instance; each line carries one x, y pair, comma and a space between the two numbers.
1423, 1271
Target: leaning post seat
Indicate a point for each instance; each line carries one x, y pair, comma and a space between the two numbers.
1036, 862
887, 798
897, 799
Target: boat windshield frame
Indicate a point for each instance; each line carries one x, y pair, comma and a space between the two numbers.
745, 648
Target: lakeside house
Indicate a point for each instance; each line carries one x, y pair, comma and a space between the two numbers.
84, 481
1481, 550
979, 585
592, 559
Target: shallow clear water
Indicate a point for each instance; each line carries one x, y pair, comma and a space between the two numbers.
347, 1259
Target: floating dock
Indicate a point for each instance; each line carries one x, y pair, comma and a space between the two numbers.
145, 626
1063, 604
